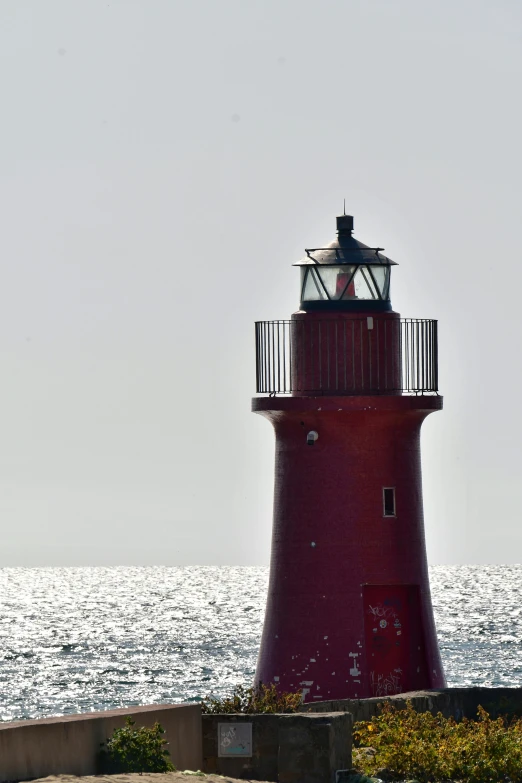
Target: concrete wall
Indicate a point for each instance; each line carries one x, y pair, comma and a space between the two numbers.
456, 702
70, 744
305, 748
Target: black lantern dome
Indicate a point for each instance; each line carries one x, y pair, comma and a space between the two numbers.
345, 275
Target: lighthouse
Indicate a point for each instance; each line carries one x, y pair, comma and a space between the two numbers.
346, 383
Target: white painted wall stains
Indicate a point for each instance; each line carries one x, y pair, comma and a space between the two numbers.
306, 690
354, 671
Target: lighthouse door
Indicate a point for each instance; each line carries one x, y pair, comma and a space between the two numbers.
395, 649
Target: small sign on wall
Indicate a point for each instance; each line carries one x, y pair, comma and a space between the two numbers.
234, 740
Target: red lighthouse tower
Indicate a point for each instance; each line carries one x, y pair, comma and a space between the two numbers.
350, 382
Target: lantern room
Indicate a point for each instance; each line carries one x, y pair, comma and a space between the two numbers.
345, 275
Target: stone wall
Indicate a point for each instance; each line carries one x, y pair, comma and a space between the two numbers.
70, 744
306, 748
456, 702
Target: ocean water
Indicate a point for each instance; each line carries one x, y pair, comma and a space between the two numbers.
80, 639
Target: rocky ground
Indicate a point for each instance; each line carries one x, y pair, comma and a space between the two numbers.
172, 777
179, 777
146, 777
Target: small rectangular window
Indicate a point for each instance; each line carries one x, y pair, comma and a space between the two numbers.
388, 501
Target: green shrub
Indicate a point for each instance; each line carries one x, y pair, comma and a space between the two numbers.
135, 750
410, 744
264, 698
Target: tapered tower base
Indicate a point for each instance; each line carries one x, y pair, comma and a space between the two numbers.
349, 610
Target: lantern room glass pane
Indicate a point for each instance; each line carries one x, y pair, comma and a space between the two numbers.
370, 282
345, 282
335, 279
362, 286
313, 290
381, 275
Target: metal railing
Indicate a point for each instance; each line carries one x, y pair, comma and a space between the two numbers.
347, 356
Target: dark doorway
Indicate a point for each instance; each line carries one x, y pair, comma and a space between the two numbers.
395, 648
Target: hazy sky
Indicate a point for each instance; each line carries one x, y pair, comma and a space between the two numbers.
162, 165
